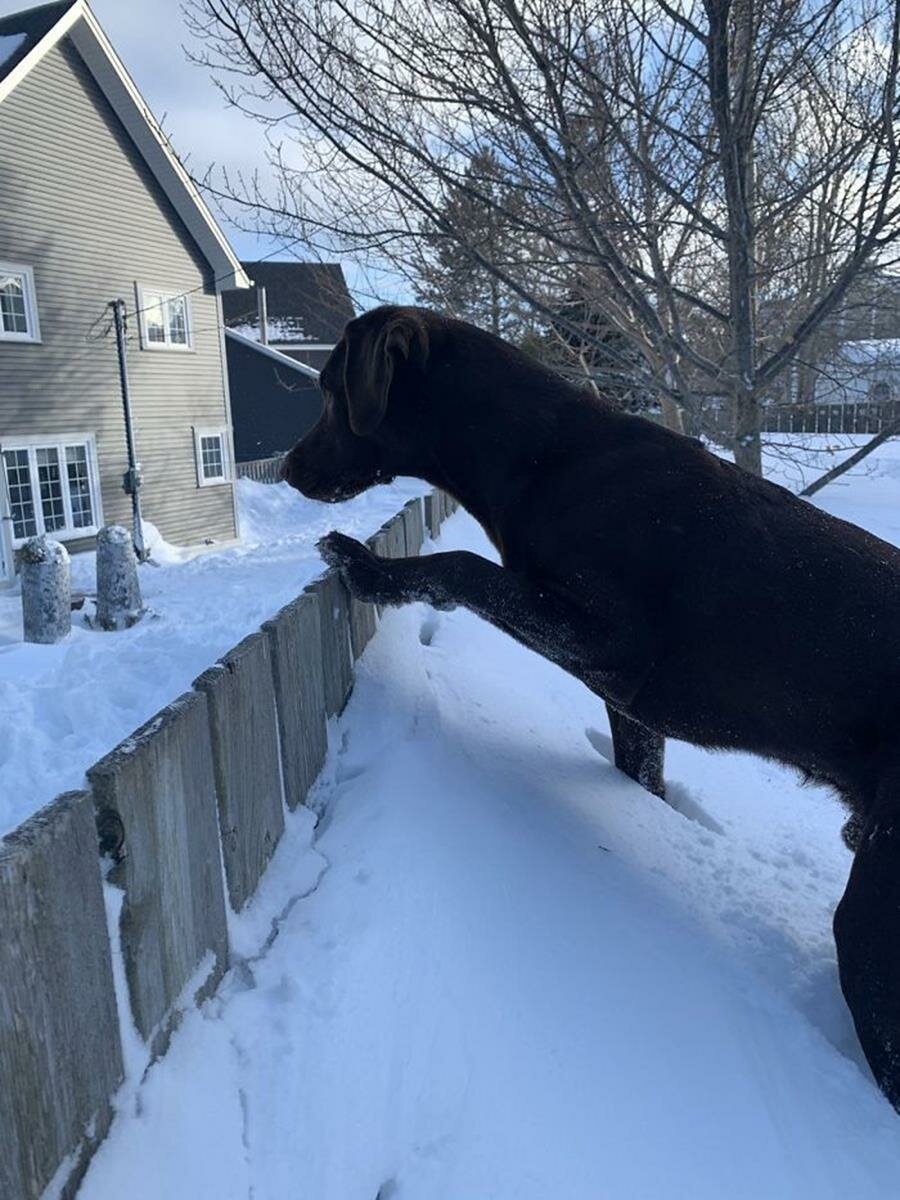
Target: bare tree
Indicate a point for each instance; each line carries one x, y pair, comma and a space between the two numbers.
446, 278
683, 165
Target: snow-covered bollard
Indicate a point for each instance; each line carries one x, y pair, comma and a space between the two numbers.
119, 603
46, 590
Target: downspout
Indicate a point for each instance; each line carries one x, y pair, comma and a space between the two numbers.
132, 480
7, 557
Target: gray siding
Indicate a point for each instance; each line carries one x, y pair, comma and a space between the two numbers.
78, 204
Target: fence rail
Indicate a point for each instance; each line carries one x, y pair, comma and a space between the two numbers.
263, 470
201, 787
867, 417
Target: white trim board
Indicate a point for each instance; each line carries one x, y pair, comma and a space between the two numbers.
80, 24
284, 359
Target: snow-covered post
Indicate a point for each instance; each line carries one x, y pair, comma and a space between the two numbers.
119, 603
46, 590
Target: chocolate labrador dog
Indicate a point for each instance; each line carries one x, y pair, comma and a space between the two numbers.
698, 601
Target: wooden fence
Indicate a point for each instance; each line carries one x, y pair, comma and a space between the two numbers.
263, 470
188, 812
867, 417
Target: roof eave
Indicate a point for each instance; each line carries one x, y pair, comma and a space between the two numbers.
271, 352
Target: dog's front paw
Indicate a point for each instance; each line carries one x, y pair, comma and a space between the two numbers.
368, 577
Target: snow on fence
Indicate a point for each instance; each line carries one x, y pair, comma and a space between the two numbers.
263, 470
198, 788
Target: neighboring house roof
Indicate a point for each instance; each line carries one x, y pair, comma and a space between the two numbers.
25, 38
859, 371
307, 303
870, 352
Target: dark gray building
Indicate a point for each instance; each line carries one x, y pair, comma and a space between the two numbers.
275, 399
95, 206
307, 305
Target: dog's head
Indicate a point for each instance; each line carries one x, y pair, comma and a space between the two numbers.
369, 386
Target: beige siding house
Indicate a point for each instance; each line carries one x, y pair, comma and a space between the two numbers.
94, 207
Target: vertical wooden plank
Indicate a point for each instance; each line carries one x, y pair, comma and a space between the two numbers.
240, 694
60, 1051
156, 809
296, 640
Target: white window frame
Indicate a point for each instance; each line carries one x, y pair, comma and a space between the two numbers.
142, 292
69, 532
33, 333
224, 435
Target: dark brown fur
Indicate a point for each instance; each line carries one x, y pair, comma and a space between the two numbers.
700, 602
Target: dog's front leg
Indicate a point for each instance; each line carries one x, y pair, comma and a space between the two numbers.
605, 651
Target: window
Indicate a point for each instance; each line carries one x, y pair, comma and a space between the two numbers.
164, 319
213, 462
52, 488
18, 306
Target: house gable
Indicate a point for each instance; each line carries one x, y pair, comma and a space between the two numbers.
43, 29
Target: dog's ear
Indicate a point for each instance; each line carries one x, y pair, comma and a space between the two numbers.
369, 366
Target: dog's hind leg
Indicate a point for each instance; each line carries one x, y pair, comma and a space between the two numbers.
638, 751
867, 933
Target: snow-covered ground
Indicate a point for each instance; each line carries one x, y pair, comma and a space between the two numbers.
63, 707
502, 971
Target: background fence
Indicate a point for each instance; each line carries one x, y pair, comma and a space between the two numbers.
863, 418
197, 789
263, 470
830, 418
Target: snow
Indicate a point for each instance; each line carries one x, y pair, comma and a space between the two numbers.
499, 969
10, 44
278, 330
62, 707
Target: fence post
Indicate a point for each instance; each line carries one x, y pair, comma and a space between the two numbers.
297, 648
156, 809
60, 1051
240, 696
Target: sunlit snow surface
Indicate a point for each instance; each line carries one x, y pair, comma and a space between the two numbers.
513, 974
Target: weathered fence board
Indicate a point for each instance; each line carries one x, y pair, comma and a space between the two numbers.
395, 536
363, 623
240, 694
337, 659
414, 527
296, 639
60, 1052
156, 806
431, 524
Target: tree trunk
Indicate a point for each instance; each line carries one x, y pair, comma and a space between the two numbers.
672, 416
747, 444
